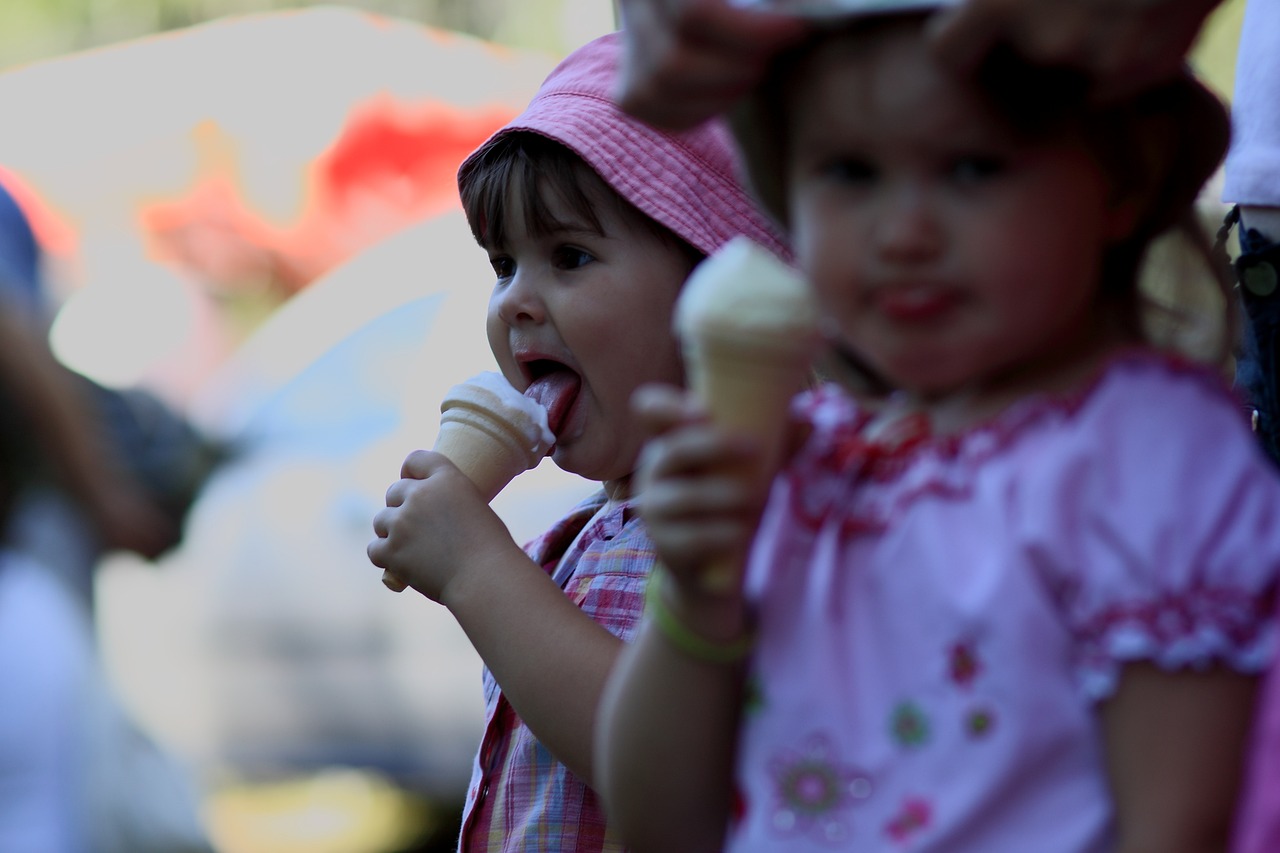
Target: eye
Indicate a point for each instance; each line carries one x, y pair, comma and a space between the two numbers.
570, 258
848, 170
972, 168
503, 266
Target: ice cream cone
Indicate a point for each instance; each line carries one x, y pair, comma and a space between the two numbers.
491, 433
490, 449
750, 333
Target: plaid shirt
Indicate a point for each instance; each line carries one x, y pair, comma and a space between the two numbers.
520, 797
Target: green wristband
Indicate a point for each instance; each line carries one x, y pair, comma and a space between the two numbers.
684, 639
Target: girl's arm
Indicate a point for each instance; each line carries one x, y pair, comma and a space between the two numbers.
550, 657
664, 755
668, 722
1175, 752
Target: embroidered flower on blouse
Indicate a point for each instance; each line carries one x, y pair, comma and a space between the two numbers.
914, 815
909, 725
963, 663
978, 722
815, 793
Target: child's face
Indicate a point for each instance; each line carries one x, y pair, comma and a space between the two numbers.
586, 316
944, 249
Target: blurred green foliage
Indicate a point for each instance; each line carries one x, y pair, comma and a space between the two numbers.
1214, 55
31, 30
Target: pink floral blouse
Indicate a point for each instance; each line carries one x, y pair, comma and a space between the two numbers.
938, 619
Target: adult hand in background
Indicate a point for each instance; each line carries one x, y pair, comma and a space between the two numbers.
688, 60
1123, 46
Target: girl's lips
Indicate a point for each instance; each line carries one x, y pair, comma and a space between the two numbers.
916, 303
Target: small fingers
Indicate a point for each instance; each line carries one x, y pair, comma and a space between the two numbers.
419, 464
661, 408
378, 547
396, 493
697, 450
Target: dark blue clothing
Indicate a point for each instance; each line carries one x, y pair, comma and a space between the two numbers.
1258, 363
19, 256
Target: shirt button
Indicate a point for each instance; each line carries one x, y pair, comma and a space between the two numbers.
1260, 279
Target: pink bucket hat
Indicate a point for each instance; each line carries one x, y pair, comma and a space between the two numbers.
688, 182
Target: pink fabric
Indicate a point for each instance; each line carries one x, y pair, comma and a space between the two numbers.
937, 620
689, 181
1253, 165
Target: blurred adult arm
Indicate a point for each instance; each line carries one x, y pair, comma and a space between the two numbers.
64, 426
1124, 46
688, 60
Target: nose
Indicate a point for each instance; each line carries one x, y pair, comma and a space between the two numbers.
518, 301
908, 229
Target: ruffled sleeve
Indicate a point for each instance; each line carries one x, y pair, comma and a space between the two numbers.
1161, 541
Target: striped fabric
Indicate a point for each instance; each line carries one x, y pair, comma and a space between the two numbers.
520, 797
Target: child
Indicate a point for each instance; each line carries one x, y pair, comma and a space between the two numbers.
1020, 605
592, 221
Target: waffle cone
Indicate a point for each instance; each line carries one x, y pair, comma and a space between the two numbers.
747, 383
488, 449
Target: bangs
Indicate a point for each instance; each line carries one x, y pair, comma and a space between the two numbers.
526, 168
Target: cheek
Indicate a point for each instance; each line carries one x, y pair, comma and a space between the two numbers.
829, 265
496, 330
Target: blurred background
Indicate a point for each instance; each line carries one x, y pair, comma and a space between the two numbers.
246, 211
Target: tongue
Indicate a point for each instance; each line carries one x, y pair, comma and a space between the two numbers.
556, 392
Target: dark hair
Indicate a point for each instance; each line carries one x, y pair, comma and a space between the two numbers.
1160, 146
538, 166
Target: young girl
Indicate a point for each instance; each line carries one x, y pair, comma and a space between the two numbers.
592, 221
1018, 604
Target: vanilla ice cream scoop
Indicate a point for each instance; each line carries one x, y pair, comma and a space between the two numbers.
749, 328
744, 291
492, 432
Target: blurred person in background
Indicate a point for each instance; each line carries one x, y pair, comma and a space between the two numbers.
75, 773
1252, 183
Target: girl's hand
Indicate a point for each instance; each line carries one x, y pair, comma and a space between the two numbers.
698, 494
688, 60
1124, 46
435, 526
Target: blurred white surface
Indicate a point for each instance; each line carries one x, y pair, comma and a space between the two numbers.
267, 643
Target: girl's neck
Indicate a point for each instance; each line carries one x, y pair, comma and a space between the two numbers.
617, 491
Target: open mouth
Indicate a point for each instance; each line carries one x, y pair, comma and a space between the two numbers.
555, 386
